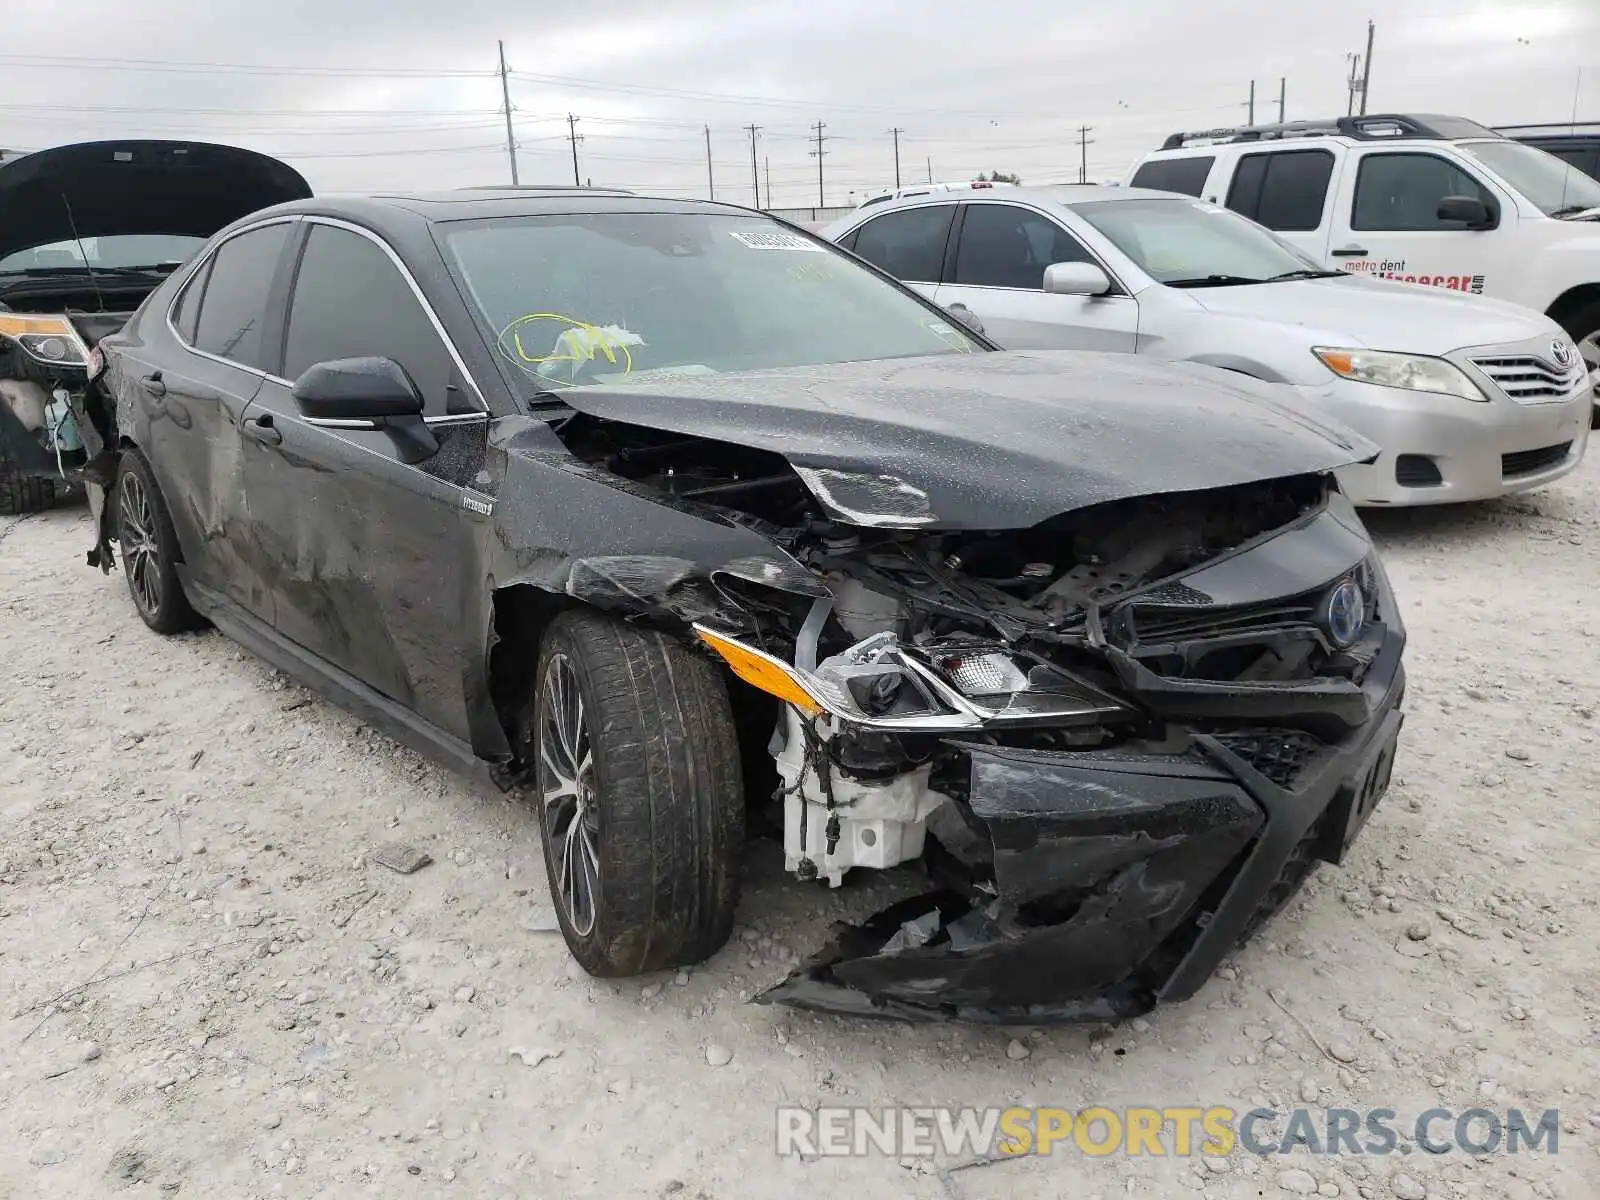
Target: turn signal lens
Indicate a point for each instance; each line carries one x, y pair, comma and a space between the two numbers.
761, 670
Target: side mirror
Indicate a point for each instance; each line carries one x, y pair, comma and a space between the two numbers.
368, 391
1469, 210
1075, 279
966, 316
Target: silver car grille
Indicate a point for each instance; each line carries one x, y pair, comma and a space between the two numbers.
1530, 379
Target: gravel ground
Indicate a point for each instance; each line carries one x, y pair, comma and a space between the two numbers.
210, 990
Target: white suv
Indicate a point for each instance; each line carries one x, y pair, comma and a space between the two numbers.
1432, 200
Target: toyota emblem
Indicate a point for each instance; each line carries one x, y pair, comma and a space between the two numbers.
1562, 353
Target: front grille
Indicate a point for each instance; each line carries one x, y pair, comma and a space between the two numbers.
1416, 470
1530, 462
1157, 624
1528, 378
1280, 755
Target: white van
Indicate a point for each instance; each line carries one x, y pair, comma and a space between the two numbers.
1432, 200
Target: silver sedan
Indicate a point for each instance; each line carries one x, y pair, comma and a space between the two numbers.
1468, 397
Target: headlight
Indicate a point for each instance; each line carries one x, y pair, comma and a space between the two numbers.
49, 340
1412, 372
879, 684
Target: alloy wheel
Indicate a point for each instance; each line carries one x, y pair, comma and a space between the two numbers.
136, 533
566, 787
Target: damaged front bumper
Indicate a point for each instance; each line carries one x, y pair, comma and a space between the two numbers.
1120, 877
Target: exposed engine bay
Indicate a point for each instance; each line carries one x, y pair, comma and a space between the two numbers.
48, 363
956, 698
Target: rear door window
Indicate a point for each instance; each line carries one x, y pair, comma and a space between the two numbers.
186, 313
1285, 190
1003, 245
1401, 192
1186, 175
233, 310
909, 244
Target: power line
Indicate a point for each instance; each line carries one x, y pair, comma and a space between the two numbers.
53, 61
137, 109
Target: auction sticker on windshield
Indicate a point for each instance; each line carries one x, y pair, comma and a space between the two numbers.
775, 239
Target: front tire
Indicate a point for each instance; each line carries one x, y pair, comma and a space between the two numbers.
150, 548
1583, 326
640, 795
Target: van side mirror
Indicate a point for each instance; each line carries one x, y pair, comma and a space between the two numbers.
1075, 279
1469, 210
373, 393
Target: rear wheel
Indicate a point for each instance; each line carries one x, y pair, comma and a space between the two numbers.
21, 494
640, 796
150, 548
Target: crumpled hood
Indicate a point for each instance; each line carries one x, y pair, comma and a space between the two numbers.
136, 187
1379, 314
992, 440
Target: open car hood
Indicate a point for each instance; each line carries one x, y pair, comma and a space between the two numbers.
991, 440
136, 187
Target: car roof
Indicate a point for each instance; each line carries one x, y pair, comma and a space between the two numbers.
400, 216
1067, 194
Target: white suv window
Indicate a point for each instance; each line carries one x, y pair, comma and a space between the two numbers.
1401, 192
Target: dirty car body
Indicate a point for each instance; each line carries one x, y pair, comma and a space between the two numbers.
87, 231
1092, 643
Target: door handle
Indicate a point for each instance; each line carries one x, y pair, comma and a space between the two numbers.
152, 383
1349, 252
263, 430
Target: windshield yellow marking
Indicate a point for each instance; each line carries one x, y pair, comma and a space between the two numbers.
579, 342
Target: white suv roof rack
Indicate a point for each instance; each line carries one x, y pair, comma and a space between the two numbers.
1377, 127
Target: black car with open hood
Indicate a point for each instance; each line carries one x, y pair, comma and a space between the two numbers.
87, 231
677, 519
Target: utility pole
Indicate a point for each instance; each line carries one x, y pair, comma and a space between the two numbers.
1252, 103
930, 169
767, 162
819, 154
505, 93
1283, 92
1353, 83
711, 183
572, 136
1083, 152
1366, 70
896, 132
755, 179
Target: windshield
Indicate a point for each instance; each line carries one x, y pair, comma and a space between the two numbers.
1558, 188
1187, 241
577, 299
108, 253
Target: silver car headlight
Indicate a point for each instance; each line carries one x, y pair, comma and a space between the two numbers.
1410, 372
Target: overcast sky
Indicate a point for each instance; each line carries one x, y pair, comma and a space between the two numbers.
362, 94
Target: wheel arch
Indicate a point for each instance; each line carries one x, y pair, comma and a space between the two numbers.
1572, 301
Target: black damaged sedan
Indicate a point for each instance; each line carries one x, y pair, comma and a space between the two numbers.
665, 511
